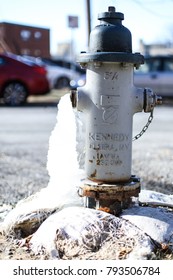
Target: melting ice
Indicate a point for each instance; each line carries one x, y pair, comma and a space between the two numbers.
66, 154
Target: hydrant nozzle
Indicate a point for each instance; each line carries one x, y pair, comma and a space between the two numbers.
150, 100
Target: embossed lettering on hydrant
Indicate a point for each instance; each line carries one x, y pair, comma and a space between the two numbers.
99, 136
108, 159
107, 147
111, 75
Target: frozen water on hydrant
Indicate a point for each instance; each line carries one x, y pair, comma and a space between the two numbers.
62, 163
62, 155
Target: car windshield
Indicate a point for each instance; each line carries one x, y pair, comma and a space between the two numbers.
168, 65
150, 65
24, 59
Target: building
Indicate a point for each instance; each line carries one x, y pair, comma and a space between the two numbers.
156, 48
23, 39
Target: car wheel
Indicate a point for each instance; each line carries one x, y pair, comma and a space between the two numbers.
62, 82
14, 94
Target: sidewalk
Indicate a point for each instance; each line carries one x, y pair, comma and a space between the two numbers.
52, 97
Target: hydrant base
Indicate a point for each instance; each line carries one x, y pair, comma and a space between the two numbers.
109, 197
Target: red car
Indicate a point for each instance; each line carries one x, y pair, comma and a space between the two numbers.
20, 78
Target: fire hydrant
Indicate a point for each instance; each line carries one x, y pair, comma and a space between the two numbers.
109, 100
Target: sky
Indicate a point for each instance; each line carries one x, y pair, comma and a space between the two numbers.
149, 20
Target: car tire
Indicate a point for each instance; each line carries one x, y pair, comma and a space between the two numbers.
62, 82
14, 94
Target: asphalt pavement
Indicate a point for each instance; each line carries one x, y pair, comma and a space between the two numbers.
24, 142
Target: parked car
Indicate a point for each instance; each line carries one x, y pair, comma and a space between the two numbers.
20, 78
60, 77
157, 74
59, 73
67, 64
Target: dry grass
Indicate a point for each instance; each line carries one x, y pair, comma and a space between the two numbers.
11, 249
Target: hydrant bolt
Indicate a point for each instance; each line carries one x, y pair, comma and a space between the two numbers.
111, 9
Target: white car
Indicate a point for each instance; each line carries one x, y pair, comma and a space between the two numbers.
59, 77
157, 74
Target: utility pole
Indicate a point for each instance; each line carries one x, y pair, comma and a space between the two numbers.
88, 18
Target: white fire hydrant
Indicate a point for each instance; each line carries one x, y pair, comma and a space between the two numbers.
109, 100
